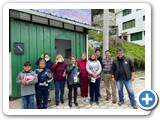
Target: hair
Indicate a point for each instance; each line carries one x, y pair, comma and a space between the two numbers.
108, 51
72, 57
120, 50
83, 53
94, 55
60, 56
97, 50
27, 63
42, 60
47, 54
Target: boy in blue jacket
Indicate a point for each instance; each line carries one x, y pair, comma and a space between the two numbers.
42, 86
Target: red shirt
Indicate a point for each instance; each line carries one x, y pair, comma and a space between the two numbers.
58, 70
82, 65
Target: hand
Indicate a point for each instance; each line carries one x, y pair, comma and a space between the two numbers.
113, 79
40, 70
132, 78
23, 82
64, 75
42, 56
49, 75
56, 61
74, 65
27, 82
44, 83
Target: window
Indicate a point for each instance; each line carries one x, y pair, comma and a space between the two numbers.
136, 36
143, 18
128, 24
138, 9
126, 12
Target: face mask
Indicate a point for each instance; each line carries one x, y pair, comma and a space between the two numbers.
60, 60
47, 59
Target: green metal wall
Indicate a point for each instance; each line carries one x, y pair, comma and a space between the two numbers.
38, 39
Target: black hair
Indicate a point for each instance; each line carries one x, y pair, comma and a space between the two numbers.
108, 51
97, 50
47, 54
120, 50
27, 63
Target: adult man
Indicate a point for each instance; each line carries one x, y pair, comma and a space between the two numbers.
99, 58
124, 75
107, 63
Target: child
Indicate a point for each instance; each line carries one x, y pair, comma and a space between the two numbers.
73, 82
27, 79
42, 86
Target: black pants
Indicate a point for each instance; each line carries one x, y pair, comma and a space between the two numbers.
42, 94
70, 94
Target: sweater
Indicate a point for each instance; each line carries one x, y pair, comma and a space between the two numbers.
94, 67
82, 64
58, 70
30, 88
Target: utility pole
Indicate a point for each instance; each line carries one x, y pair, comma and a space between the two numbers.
105, 31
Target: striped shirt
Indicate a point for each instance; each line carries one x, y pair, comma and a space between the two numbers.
107, 64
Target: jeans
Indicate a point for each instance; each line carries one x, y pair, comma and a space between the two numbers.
128, 85
94, 90
28, 101
42, 95
59, 86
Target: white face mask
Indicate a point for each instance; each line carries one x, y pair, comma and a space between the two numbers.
60, 60
47, 59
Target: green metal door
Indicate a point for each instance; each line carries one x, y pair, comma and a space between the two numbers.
38, 39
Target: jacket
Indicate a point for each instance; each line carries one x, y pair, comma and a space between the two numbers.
70, 74
127, 65
42, 77
30, 88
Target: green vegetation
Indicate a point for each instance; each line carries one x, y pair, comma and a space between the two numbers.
135, 52
94, 35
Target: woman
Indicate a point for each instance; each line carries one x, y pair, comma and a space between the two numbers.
73, 81
59, 77
94, 69
42, 86
49, 63
83, 77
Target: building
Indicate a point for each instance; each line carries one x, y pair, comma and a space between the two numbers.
34, 32
131, 25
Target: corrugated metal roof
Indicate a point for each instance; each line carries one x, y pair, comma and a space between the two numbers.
50, 16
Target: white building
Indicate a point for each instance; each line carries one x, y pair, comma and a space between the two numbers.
131, 25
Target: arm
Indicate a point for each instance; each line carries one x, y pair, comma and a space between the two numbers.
100, 68
132, 70
34, 81
19, 79
54, 66
49, 77
114, 70
69, 68
87, 68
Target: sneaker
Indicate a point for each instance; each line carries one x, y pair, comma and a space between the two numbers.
134, 106
76, 104
97, 102
86, 99
114, 101
57, 103
82, 99
91, 102
107, 99
62, 101
49, 100
120, 103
